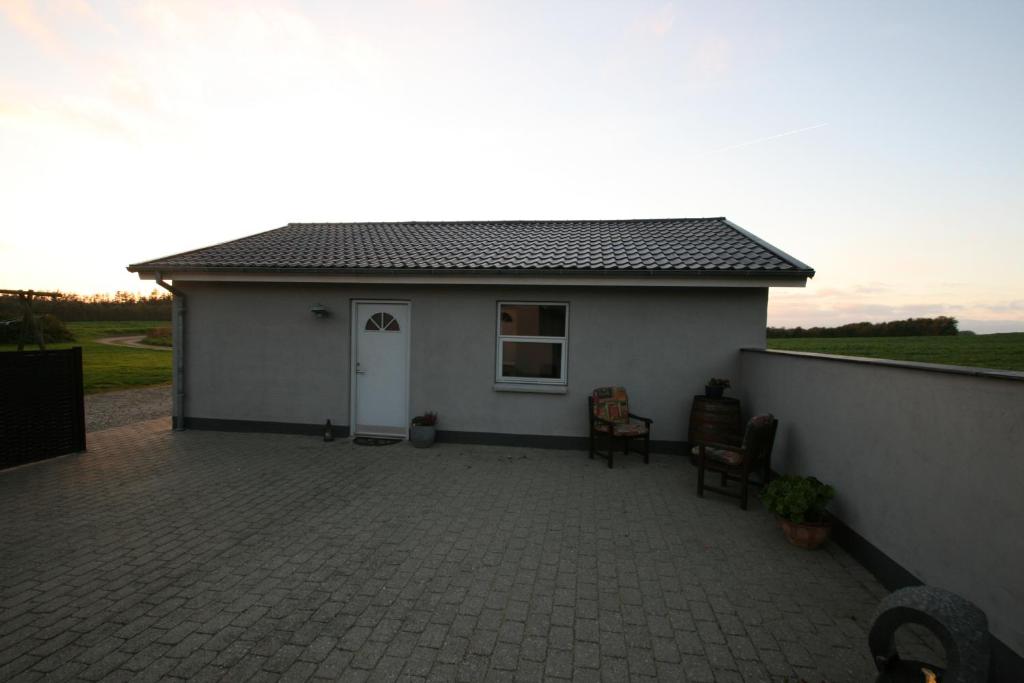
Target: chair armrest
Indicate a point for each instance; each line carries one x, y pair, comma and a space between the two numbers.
642, 419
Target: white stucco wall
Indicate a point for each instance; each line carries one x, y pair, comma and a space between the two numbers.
255, 352
928, 466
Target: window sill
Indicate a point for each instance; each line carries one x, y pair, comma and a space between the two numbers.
531, 388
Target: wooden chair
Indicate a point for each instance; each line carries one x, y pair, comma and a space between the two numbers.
736, 463
609, 417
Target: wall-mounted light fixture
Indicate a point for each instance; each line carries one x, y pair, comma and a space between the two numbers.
320, 311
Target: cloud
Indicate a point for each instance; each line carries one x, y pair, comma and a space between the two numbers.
992, 326
838, 306
188, 70
26, 21
851, 291
660, 24
657, 23
711, 58
769, 138
62, 115
872, 288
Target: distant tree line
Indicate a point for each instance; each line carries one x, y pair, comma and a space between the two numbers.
911, 327
78, 307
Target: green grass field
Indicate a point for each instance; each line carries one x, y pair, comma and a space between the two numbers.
995, 351
106, 367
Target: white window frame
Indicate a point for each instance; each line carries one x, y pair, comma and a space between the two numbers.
563, 340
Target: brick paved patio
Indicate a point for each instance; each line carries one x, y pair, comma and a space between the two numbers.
207, 555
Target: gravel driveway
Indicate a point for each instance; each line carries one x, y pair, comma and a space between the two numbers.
119, 408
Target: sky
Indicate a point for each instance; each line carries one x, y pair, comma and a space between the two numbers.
881, 143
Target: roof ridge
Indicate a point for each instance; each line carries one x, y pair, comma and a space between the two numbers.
507, 221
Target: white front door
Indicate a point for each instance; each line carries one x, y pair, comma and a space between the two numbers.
381, 368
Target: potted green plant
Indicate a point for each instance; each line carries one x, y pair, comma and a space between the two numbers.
423, 430
799, 504
716, 387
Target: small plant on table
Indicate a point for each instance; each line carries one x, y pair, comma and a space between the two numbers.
715, 387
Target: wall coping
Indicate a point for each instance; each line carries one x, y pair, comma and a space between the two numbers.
984, 373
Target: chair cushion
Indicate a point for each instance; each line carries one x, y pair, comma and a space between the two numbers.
720, 454
628, 429
724, 456
612, 404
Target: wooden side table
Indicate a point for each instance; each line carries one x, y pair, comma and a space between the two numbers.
715, 420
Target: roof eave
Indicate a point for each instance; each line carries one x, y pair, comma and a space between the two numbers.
167, 269
795, 262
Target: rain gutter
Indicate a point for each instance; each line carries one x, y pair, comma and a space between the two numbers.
179, 352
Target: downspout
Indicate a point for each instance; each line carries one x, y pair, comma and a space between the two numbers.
179, 353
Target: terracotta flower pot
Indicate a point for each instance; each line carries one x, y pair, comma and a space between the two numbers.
808, 535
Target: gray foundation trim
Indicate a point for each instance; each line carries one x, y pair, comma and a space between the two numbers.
567, 443
900, 364
1006, 665
219, 425
570, 443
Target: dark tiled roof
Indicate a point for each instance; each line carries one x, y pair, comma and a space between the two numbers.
654, 247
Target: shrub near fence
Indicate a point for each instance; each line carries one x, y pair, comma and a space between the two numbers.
42, 411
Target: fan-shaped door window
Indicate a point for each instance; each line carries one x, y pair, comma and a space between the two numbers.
381, 322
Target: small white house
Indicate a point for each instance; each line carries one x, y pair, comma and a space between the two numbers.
501, 327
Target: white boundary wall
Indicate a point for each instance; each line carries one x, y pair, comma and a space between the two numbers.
927, 461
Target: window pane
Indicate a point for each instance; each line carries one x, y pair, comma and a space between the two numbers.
533, 320
531, 359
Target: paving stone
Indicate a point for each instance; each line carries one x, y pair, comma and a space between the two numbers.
511, 632
100, 669
16, 665
697, 669
614, 669
505, 656
334, 664
236, 556
194, 663
283, 659
641, 662
586, 655
453, 650
318, 649
665, 650
559, 664
613, 644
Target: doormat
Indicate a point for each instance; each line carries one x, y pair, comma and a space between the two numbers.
373, 441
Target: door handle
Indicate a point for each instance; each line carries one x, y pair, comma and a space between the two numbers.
358, 371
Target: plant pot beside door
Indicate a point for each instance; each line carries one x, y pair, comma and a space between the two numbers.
423, 431
799, 505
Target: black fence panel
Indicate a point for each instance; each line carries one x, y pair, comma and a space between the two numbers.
42, 411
